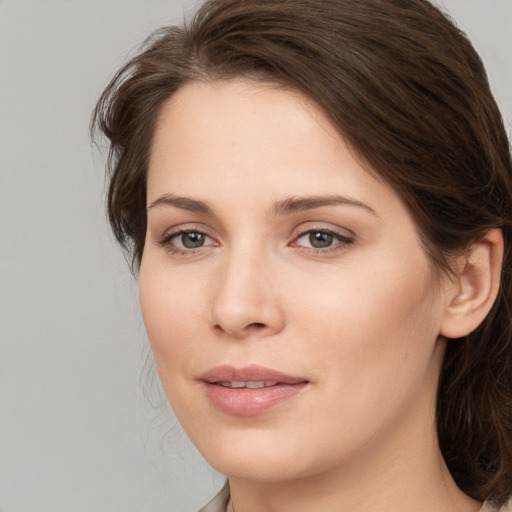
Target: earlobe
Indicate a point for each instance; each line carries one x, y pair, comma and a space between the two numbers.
475, 286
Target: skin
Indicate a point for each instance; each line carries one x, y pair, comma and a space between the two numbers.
359, 319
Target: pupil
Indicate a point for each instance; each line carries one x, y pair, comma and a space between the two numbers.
192, 240
320, 240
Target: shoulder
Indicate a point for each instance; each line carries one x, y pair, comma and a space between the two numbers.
220, 502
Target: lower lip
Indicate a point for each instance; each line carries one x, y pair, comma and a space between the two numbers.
249, 402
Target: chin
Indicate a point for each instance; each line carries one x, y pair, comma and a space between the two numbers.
268, 468
264, 457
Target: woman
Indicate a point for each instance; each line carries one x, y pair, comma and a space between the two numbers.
318, 198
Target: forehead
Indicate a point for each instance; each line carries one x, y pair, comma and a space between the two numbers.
242, 132
238, 114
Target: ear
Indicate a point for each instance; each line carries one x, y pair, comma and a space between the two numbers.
476, 284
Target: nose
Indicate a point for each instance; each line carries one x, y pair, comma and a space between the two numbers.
246, 299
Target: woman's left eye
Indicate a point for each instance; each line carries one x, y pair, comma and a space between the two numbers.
321, 239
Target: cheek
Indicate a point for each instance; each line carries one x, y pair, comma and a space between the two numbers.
173, 313
369, 339
370, 321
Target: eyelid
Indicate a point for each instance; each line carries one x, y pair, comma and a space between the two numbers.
184, 227
327, 227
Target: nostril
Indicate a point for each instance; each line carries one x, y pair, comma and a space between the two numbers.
256, 325
250, 328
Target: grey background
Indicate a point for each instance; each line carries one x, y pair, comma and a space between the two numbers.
83, 426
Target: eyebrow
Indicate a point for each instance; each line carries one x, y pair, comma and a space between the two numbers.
297, 204
283, 207
185, 203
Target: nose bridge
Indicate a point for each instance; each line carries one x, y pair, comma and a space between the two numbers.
246, 301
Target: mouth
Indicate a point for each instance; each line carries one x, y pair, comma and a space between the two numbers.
250, 390
248, 376
249, 385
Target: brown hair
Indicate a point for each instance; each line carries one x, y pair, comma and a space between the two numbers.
410, 95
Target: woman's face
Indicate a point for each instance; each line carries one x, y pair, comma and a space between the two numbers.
292, 312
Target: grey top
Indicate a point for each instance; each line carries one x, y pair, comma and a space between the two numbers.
487, 507
222, 503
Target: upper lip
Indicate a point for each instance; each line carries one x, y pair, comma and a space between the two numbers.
251, 373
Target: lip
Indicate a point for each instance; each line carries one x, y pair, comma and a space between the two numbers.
245, 401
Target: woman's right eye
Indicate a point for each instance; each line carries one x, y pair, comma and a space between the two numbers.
186, 241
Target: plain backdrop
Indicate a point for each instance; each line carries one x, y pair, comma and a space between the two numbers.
83, 426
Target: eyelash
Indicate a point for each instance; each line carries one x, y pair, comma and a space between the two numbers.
167, 239
342, 241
